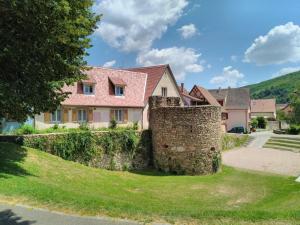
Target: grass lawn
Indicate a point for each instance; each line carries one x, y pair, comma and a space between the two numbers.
284, 143
232, 196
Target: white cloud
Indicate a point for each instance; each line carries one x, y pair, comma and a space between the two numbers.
109, 63
188, 31
280, 45
133, 25
285, 71
229, 77
182, 60
233, 58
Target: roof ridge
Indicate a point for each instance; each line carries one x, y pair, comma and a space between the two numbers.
142, 67
115, 69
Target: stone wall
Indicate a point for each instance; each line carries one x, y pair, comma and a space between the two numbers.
186, 140
118, 159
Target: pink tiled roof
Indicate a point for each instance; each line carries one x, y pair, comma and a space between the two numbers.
155, 74
211, 99
134, 90
263, 105
89, 80
117, 81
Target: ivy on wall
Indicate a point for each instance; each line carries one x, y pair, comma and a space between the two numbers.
85, 146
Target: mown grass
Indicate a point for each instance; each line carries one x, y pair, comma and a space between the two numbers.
232, 196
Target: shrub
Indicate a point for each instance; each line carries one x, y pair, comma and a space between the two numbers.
113, 141
76, 146
216, 162
113, 124
84, 126
55, 127
254, 123
36, 142
135, 126
262, 123
294, 129
25, 129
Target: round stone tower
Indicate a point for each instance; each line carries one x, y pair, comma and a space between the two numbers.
186, 140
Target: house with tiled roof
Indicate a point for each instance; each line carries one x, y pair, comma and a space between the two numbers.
107, 94
263, 108
235, 104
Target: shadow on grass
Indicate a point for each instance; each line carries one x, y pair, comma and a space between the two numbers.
153, 172
8, 217
11, 155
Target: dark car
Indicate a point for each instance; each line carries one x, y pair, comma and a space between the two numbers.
237, 130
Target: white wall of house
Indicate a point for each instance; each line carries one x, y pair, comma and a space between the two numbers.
167, 82
264, 114
237, 118
101, 118
172, 91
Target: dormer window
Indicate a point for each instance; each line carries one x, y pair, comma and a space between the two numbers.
117, 86
119, 91
88, 89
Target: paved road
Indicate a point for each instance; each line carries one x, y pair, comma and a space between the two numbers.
259, 138
254, 157
18, 215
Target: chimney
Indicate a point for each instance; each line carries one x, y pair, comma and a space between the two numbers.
219, 90
182, 87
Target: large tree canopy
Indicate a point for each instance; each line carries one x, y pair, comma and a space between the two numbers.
295, 103
42, 47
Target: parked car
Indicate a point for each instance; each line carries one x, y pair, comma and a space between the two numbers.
237, 130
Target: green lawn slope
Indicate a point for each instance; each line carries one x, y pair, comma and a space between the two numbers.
33, 177
278, 88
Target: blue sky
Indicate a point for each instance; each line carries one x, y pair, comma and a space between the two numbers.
211, 43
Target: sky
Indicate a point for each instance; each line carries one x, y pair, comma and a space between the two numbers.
211, 43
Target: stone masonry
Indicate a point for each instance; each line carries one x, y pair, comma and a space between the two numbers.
186, 140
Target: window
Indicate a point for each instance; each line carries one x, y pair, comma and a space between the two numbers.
119, 115
82, 117
119, 91
88, 89
224, 116
164, 92
56, 116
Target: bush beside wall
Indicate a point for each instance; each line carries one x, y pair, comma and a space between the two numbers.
115, 150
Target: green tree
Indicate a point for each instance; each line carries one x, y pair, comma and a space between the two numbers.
42, 47
261, 122
254, 123
295, 103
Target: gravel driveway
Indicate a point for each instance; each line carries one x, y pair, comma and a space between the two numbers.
254, 157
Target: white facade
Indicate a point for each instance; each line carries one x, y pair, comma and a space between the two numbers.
172, 91
263, 114
101, 118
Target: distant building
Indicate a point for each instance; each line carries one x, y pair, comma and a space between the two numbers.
235, 104
263, 108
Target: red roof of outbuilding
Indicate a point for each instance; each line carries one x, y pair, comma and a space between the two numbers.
263, 105
134, 90
211, 99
